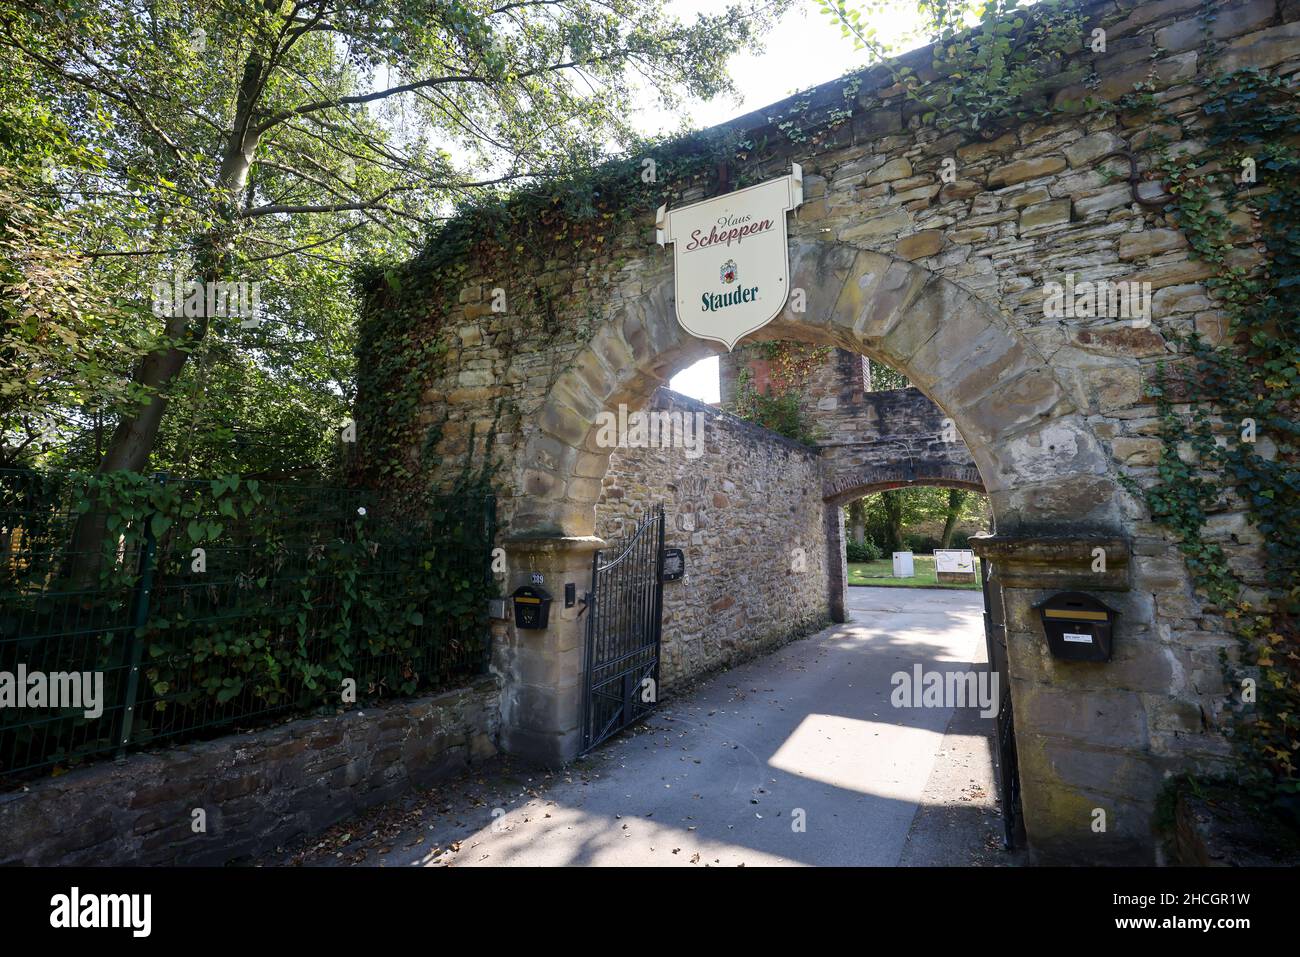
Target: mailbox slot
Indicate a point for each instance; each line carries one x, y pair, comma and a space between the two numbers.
532, 607
1078, 626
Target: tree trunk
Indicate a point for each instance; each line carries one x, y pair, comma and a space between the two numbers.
956, 499
892, 501
858, 521
133, 439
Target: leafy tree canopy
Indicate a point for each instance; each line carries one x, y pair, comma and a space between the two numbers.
278, 144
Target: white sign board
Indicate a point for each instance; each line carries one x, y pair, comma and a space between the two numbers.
731, 261
954, 560
903, 566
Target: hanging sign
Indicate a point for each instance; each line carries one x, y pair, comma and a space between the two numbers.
731, 262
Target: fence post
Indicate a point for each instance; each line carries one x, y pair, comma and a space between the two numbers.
139, 618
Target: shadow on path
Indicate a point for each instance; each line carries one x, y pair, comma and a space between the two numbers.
795, 758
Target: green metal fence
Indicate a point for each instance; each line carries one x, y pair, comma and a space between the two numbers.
196, 606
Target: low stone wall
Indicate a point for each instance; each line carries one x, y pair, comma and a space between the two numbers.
1220, 829
257, 790
748, 513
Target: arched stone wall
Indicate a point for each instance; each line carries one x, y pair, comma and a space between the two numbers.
1047, 476
874, 440
1039, 460
1083, 739
845, 487
898, 430
945, 280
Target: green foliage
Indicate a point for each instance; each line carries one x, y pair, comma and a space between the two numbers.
782, 412
886, 378
264, 143
996, 57
890, 513
301, 589
1228, 413
864, 551
62, 341
779, 405
403, 343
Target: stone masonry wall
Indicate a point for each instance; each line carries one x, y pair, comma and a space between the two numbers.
952, 274
869, 440
836, 382
738, 511
1028, 207
258, 790
841, 374
880, 436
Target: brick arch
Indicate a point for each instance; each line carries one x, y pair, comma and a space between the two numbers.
877, 478
1036, 456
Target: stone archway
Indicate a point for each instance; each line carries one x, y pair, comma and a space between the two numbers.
1038, 459
536, 331
1052, 488
844, 488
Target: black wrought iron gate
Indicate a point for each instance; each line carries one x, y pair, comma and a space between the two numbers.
995, 636
624, 622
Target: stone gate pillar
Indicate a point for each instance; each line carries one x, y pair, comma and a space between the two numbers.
542, 669
838, 569
1088, 778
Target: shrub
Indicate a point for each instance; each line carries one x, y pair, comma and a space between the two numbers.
868, 551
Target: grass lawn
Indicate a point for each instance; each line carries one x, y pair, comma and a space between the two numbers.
882, 573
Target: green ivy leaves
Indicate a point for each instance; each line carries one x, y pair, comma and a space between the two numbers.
1254, 374
298, 593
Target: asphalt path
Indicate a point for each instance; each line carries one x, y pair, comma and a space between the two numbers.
795, 758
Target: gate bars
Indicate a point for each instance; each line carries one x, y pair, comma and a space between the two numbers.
624, 627
995, 637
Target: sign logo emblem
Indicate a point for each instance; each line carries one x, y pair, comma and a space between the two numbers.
719, 240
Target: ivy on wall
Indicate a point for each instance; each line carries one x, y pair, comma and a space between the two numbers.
779, 406
985, 77
980, 77
1228, 411
1208, 401
579, 212
404, 342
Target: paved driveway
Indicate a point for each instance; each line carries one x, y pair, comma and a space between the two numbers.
795, 758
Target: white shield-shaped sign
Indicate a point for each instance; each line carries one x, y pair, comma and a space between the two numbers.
731, 263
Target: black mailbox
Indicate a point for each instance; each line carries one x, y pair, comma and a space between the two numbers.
1078, 626
532, 606
674, 565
